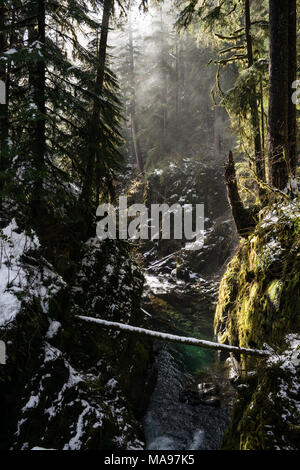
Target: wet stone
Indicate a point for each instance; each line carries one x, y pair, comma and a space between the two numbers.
206, 394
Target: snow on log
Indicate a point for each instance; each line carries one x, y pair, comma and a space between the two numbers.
176, 339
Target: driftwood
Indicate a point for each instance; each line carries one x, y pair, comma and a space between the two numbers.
176, 339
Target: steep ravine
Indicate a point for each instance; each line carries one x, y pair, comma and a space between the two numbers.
180, 294
73, 386
257, 307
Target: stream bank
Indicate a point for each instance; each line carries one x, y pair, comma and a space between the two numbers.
258, 304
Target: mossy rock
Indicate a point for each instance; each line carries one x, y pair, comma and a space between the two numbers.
72, 386
259, 303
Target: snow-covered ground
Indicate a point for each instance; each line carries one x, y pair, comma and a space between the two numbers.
19, 279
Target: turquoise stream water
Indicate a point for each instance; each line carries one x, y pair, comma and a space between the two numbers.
169, 423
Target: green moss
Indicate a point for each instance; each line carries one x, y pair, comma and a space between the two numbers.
259, 303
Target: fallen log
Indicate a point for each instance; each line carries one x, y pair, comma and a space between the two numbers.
176, 339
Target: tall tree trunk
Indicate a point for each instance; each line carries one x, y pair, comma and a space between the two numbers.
134, 126
278, 96
37, 98
259, 159
262, 110
164, 86
4, 78
292, 76
216, 132
177, 89
92, 161
244, 220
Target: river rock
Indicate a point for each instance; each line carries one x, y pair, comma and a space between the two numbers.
207, 389
189, 397
211, 401
206, 394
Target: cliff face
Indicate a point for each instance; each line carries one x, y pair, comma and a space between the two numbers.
258, 304
68, 385
190, 181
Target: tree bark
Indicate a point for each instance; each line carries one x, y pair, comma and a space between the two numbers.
244, 219
259, 159
278, 96
262, 119
92, 160
164, 87
217, 135
134, 126
292, 76
177, 89
3, 106
37, 74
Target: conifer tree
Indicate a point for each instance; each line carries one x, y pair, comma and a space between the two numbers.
4, 78
282, 111
52, 94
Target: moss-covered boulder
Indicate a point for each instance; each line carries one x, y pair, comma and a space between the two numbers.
266, 414
258, 304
